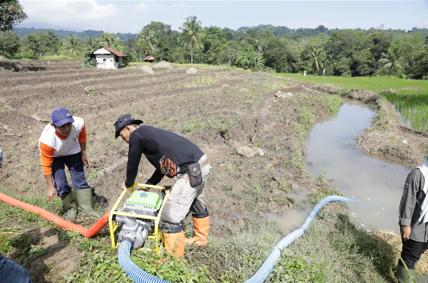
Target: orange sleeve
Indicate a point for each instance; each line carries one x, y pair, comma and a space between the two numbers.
82, 135
46, 159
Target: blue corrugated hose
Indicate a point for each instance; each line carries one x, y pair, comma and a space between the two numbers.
140, 276
271, 261
132, 270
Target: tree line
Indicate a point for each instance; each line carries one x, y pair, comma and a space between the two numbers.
319, 51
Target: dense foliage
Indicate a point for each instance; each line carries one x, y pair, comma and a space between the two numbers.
10, 13
319, 51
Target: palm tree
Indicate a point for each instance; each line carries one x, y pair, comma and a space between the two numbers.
146, 44
72, 45
108, 40
391, 62
191, 30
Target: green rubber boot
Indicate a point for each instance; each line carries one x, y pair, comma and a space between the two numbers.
70, 207
405, 275
84, 202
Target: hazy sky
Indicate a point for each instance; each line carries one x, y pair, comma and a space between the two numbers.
132, 16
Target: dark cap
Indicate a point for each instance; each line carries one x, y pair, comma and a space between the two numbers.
123, 121
61, 116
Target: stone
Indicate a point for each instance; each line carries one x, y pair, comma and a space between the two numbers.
192, 71
147, 69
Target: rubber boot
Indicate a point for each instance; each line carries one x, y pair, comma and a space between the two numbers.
405, 275
174, 243
201, 227
70, 207
84, 202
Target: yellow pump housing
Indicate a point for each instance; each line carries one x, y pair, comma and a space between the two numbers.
132, 199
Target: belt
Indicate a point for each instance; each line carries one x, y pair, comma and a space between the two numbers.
203, 161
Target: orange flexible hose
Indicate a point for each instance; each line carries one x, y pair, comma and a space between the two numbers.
60, 222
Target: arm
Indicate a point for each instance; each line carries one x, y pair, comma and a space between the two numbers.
46, 160
82, 142
407, 205
134, 157
155, 178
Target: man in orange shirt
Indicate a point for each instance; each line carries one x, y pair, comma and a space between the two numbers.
63, 143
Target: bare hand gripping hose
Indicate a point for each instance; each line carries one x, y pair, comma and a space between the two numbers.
272, 259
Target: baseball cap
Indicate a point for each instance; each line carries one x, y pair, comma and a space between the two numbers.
123, 121
61, 116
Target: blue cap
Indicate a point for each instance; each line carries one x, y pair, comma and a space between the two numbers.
61, 116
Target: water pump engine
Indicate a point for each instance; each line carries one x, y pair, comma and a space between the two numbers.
136, 229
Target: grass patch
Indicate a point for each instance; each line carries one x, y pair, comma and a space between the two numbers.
306, 118
219, 125
58, 58
413, 106
201, 81
409, 96
380, 83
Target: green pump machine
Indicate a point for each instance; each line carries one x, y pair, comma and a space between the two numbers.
137, 217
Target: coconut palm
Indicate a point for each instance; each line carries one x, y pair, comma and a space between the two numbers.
109, 40
146, 43
391, 62
191, 30
72, 46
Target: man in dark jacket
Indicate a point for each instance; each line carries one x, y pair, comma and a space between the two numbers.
413, 221
176, 157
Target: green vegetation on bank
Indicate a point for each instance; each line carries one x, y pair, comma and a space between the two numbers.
333, 250
409, 96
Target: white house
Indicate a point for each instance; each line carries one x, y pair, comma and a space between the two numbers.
108, 58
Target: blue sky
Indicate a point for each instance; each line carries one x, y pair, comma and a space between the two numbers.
132, 16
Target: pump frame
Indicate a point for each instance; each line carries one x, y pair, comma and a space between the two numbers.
156, 234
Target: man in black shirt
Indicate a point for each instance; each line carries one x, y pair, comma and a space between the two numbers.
176, 157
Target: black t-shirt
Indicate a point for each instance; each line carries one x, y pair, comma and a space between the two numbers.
155, 143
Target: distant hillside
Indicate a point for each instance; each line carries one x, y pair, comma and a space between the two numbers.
81, 34
285, 31
275, 30
305, 32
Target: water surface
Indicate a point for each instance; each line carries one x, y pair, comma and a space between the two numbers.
376, 184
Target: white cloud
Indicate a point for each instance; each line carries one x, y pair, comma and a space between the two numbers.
141, 7
82, 14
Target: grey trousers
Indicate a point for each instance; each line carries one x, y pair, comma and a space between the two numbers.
183, 195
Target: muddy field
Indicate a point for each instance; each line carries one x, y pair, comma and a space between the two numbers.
221, 110
251, 125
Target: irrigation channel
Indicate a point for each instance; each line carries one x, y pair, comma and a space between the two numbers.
376, 185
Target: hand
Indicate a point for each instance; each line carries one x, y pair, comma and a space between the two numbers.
123, 186
51, 192
405, 232
85, 160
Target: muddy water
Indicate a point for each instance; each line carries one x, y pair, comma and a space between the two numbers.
331, 151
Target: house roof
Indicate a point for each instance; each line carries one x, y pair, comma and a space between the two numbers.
109, 50
149, 58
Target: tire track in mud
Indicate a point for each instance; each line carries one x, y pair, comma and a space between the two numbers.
139, 86
64, 75
99, 79
73, 89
